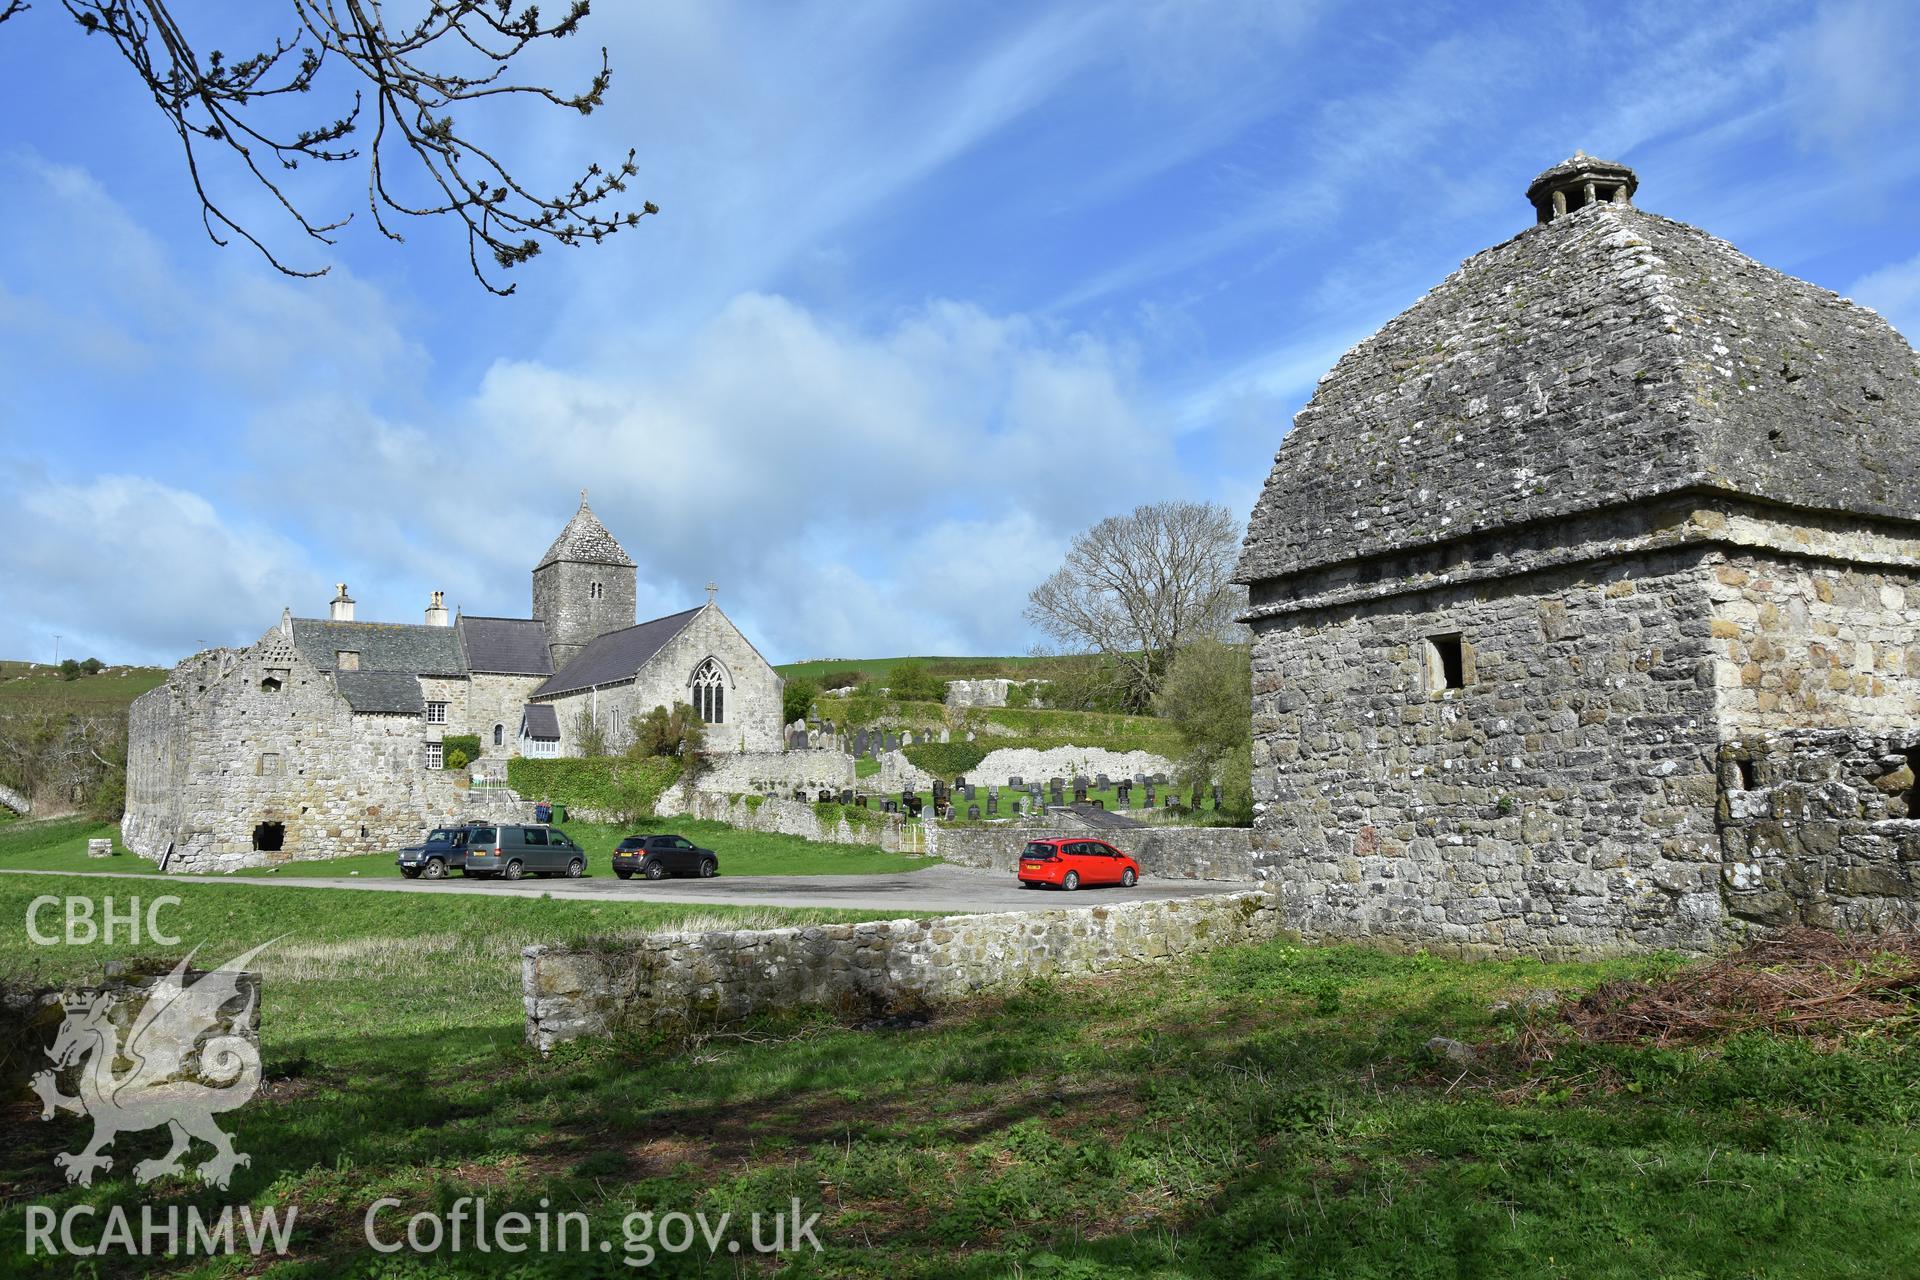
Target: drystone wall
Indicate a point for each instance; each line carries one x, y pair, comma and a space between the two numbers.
720, 976
777, 771
1172, 853
890, 831
1822, 827
989, 693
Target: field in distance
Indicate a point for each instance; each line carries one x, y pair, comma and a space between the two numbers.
28, 686
877, 669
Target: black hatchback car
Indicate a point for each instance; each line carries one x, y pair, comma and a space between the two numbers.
444, 848
657, 857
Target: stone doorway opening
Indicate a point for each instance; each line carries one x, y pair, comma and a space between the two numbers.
269, 837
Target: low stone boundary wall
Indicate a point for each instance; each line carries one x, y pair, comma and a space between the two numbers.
890, 831
1172, 853
779, 771
724, 975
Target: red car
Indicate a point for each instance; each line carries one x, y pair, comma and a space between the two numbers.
1072, 863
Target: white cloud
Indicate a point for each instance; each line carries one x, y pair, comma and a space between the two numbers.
1893, 291
128, 569
1854, 74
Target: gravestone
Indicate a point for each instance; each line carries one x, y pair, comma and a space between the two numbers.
860, 743
1015, 782
826, 796
1016, 808
1125, 789
960, 781
889, 806
1079, 790
906, 737
945, 736
100, 848
1100, 804
1121, 801
1159, 779
973, 812
1216, 795
1101, 782
1139, 779
798, 740
967, 791
993, 806
846, 795
859, 802
915, 804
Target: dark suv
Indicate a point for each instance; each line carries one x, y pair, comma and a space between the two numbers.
444, 848
657, 857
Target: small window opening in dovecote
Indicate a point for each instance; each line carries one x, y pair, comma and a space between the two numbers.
346, 660
1745, 774
595, 591
1446, 663
270, 764
271, 684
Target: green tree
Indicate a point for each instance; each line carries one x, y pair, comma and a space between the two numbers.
674, 731
588, 734
796, 703
912, 682
69, 669
423, 82
1208, 696
93, 666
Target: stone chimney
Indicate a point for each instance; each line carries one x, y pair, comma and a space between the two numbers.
342, 608
1578, 182
437, 611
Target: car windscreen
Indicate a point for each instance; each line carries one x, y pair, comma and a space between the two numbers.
1038, 851
482, 835
443, 836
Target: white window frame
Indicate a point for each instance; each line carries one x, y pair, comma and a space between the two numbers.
436, 713
435, 757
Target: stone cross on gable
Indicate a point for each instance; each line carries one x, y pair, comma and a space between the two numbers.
713, 589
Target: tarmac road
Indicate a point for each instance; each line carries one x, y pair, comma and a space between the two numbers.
940, 888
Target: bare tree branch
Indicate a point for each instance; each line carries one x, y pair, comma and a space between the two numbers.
416, 76
1137, 588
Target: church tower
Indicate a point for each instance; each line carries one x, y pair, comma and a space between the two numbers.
583, 587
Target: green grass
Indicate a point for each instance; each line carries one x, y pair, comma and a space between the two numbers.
1267, 1112
61, 845
877, 669
22, 689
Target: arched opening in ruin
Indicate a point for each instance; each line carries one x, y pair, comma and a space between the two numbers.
270, 685
269, 837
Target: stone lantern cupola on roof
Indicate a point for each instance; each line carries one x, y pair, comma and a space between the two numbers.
1578, 182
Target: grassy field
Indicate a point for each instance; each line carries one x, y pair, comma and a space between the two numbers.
876, 669
24, 688
61, 845
1267, 1112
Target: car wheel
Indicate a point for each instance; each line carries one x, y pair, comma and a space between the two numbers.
1127, 878
709, 868
576, 869
623, 873
655, 871
513, 870
1071, 881
411, 873
436, 869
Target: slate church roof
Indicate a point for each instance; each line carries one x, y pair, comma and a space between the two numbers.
382, 646
617, 655
506, 646
1606, 355
585, 540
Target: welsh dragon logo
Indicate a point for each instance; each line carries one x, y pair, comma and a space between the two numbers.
171, 1069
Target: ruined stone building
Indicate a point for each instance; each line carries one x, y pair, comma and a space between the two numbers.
1586, 602
327, 736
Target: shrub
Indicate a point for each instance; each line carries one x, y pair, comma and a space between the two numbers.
912, 682
467, 744
454, 760
796, 703
93, 666
69, 669
951, 759
673, 732
625, 789
841, 680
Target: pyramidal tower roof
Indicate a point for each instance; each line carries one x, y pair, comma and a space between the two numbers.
1604, 355
585, 541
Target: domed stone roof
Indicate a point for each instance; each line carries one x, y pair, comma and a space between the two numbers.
585, 541
1605, 355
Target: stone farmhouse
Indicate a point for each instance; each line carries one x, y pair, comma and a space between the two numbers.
1586, 602
326, 736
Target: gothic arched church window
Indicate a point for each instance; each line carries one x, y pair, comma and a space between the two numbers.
709, 692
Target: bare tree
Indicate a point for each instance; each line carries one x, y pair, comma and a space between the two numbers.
417, 77
1137, 588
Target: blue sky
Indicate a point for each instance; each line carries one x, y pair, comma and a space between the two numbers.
934, 286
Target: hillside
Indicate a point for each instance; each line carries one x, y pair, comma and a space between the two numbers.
876, 669
38, 687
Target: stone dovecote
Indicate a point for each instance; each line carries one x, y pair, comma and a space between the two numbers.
1608, 498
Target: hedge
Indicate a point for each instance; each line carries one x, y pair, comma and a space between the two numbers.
467, 743
611, 784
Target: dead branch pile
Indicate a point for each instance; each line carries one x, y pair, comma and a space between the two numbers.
1804, 982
